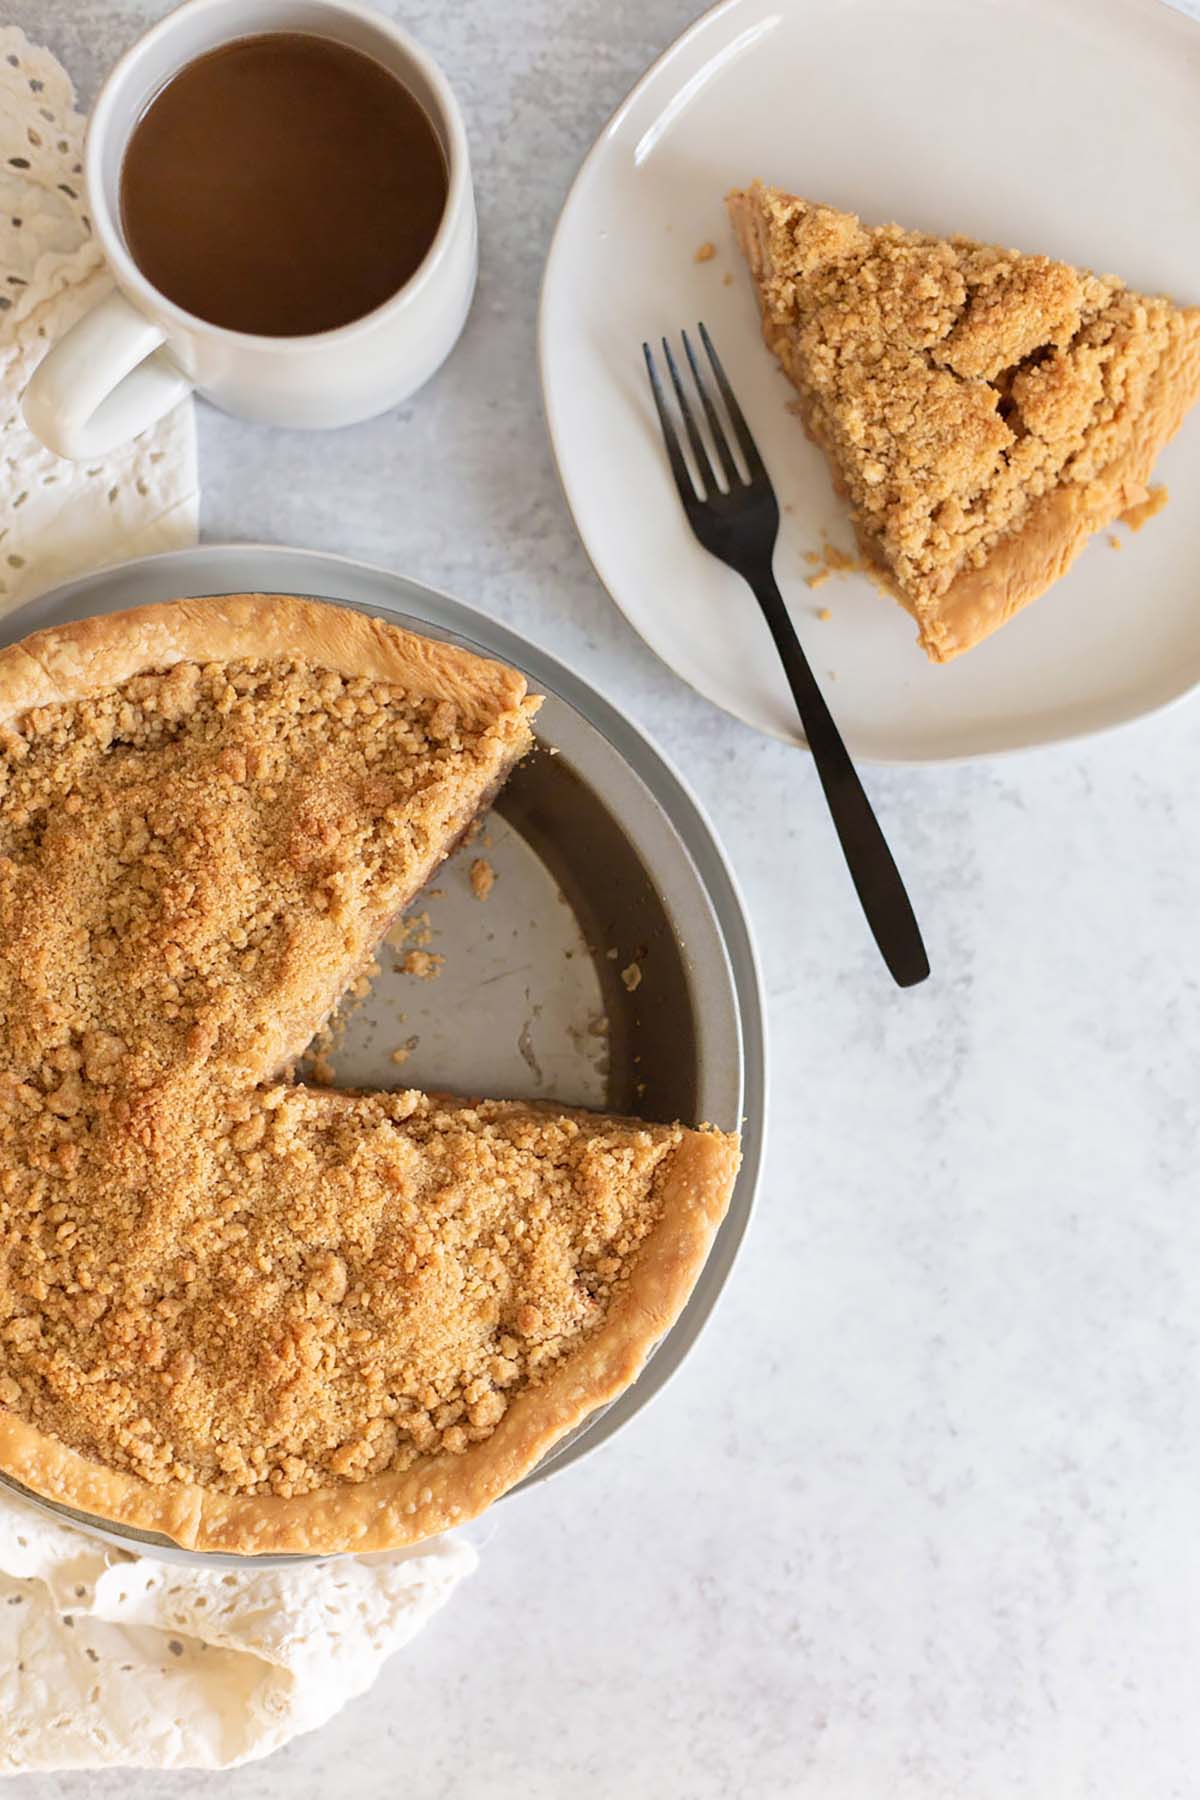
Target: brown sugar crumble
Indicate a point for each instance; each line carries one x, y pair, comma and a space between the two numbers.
817, 580
632, 976
705, 253
824, 614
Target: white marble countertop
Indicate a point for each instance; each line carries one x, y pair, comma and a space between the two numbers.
921, 1515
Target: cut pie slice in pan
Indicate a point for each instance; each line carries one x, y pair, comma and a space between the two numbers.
251, 1315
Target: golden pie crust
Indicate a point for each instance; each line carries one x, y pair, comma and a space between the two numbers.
248, 1314
983, 411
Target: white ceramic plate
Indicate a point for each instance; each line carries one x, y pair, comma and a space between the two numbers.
1065, 126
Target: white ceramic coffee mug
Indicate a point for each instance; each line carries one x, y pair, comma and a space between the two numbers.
136, 354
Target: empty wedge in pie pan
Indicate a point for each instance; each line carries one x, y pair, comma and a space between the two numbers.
591, 933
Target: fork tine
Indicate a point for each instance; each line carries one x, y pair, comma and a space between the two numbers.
675, 456
737, 417
733, 475
708, 475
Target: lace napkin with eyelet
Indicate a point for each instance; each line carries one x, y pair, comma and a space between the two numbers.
108, 1659
59, 519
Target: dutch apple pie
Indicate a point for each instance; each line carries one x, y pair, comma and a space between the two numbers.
250, 1314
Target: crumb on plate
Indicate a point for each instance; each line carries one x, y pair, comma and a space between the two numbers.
482, 878
839, 560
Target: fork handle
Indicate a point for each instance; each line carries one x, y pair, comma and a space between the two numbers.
875, 875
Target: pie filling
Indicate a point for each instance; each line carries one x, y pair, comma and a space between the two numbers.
955, 385
214, 1282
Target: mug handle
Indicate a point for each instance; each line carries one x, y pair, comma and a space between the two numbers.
102, 382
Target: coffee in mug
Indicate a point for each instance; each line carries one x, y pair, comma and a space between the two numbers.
282, 192
282, 184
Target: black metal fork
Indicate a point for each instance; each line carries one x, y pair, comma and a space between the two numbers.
736, 518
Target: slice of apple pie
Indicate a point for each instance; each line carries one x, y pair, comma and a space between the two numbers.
983, 411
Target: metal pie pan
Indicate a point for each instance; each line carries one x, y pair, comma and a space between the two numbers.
610, 966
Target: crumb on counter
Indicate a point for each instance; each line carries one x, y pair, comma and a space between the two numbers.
817, 580
402, 1052
705, 252
727, 279
482, 878
632, 977
1114, 542
1141, 511
824, 615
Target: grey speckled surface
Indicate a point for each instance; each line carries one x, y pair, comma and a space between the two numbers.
920, 1516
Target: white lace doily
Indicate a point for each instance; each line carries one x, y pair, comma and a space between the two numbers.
115, 1660
58, 518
